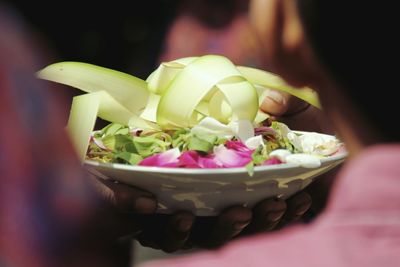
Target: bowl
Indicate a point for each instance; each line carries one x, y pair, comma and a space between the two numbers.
205, 192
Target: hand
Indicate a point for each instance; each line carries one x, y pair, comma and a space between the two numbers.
184, 231
238, 221
122, 204
129, 213
294, 112
299, 115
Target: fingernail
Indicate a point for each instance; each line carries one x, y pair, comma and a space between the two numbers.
275, 215
131, 235
145, 205
276, 97
240, 225
301, 209
184, 225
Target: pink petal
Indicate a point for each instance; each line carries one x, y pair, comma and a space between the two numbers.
272, 161
231, 158
192, 159
168, 158
237, 145
264, 130
189, 159
208, 162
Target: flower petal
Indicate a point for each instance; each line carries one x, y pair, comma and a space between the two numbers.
315, 143
255, 142
280, 154
272, 161
168, 158
243, 129
208, 162
304, 160
237, 145
230, 158
189, 159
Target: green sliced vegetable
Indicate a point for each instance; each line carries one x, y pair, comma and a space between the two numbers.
160, 79
272, 81
82, 119
84, 111
129, 91
194, 83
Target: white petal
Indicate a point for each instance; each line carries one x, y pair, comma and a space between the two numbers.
170, 155
281, 154
243, 129
254, 142
319, 144
304, 160
295, 141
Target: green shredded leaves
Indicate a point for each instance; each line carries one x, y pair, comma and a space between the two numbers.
127, 157
149, 145
202, 143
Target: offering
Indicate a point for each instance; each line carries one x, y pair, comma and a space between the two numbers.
191, 118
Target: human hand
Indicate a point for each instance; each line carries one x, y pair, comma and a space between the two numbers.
299, 115
294, 112
123, 203
184, 231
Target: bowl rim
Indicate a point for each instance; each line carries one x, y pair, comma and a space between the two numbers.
208, 171
338, 156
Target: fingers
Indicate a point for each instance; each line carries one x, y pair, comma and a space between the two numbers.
177, 231
166, 232
298, 205
277, 103
266, 215
214, 232
125, 198
230, 223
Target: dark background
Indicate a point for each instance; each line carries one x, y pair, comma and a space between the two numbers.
122, 35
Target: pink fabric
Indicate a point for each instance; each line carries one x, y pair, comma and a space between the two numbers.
360, 227
45, 197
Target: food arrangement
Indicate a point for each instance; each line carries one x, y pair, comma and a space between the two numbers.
196, 112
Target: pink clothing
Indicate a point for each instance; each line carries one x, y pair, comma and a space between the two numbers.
45, 197
360, 227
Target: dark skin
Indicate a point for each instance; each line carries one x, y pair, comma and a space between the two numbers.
133, 217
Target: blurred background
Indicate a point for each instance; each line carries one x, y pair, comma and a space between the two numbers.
123, 35
134, 36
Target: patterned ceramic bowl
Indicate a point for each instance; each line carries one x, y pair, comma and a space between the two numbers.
206, 192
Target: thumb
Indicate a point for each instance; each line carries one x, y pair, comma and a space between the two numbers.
123, 197
278, 103
275, 103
